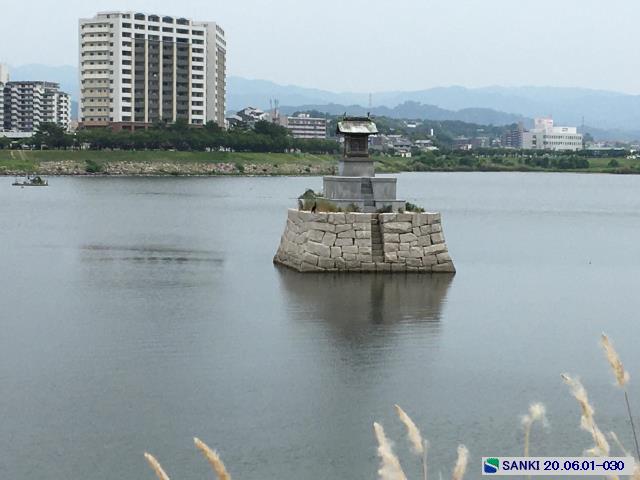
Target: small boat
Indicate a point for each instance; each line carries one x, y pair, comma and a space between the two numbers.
36, 181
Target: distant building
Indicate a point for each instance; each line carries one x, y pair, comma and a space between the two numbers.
27, 104
546, 136
4, 73
4, 78
305, 126
462, 143
396, 144
512, 138
1, 107
400, 145
137, 69
425, 145
247, 118
480, 142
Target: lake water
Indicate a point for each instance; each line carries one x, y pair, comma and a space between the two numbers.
139, 312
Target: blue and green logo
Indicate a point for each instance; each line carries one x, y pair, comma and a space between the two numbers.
491, 465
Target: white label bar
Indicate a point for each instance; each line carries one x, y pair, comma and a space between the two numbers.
541, 466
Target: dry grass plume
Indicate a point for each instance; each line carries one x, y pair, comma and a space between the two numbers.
390, 468
536, 413
155, 465
213, 458
587, 422
461, 463
417, 444
622, 376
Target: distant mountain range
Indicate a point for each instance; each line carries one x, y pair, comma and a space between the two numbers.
416, 110
609, 115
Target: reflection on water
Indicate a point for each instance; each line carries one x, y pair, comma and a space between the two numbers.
148, 253
351, 304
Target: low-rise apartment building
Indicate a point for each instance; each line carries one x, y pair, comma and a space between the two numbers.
4, 78
27, 104
305, 126
1, 107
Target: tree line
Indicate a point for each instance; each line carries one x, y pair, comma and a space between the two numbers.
486, 158
264, 137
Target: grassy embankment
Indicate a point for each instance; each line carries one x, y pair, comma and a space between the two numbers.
163, 162
70, 162
453, 162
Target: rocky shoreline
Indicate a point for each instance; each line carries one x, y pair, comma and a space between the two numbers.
119, 168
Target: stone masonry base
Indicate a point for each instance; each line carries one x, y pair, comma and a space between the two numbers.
364, 242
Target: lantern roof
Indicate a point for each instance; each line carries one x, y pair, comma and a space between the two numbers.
356, 126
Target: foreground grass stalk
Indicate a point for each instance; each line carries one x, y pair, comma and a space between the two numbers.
587, 422
536, 413
390, 468
155, 465
424, 462
214, 459
633, 427
418, 445
461, 463
617, 441
622, 378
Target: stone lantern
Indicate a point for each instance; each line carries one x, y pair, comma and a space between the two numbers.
356, 183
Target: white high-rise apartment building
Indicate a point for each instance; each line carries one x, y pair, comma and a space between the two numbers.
546, 136
137, 69
4, 78
27, 104
1, 107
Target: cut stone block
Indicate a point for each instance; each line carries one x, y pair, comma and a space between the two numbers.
329, 239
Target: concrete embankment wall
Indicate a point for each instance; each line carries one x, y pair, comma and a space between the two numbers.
349, 242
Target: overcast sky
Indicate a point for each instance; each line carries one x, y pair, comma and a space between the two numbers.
375, 45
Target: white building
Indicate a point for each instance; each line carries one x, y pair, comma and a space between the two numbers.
305, 126
4, 73
4, 78
27, 104
1, 107
137, 69
546, 136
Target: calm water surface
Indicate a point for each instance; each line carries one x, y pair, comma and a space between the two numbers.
137, 313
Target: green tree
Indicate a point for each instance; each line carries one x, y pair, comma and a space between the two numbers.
52, 135
212, 127
270, 129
